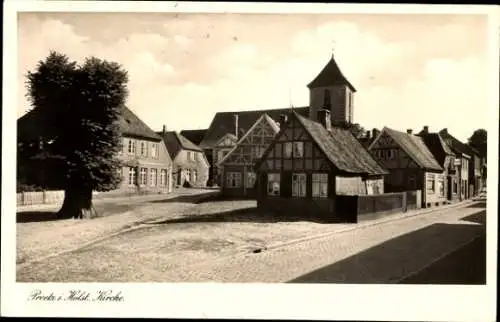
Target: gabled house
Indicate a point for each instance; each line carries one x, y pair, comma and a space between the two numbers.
147, 166
189, 161
411, 165
308, 164
470, 164
237, 166
445, 158
232, 126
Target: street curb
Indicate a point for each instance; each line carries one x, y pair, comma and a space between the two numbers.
367, 224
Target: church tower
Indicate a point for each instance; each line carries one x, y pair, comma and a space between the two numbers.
332, 91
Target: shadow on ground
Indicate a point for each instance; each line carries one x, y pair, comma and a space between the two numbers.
197, 198
249, 215
400, 256
481, 204
36, 216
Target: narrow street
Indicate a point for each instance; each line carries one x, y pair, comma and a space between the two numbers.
398, 251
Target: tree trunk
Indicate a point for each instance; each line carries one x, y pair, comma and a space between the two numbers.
77, 204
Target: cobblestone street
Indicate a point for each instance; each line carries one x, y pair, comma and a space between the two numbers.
214, 252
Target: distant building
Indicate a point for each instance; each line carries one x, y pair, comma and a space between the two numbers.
237, 166
309, 163
445, 158
411, 165
189, 161
195, 136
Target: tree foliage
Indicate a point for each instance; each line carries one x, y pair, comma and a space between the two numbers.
77, 110
479, 140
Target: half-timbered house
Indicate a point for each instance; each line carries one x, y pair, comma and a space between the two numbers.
411, 165
219, 151
237, 167
308, 164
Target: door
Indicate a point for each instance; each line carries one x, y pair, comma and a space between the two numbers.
450, 187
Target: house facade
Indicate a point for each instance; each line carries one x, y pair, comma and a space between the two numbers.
190, 166
446, 159
237, 166
308, 164
219, 151
463, 161
146, 164
411, 165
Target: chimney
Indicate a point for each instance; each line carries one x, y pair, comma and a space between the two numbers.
324, 119
236, 125
409, 131
283, 119
367, 135
375, 133
426, 129
445, 130
164, 129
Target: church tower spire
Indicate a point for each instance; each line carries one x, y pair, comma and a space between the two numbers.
331, 90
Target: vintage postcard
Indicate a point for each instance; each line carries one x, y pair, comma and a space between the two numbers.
250, 160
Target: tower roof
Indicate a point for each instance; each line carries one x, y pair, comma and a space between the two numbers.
330, 75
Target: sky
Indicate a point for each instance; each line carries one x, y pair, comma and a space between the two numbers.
409, 70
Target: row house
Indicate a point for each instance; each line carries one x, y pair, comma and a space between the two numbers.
190, 166
308, 164
411, 165
446, 159
237, 166
474, 166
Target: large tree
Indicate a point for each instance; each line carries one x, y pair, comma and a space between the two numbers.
479, 140
77, 109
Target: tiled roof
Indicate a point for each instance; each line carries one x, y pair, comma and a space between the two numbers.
437, 146
416, 149
224, 122
130, 124
195, 136
342, 149
330, 75
456, 145
175, 142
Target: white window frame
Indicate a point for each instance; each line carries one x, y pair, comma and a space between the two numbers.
319, 185
295, 150
441, 187
132, 176
251, 179
144, 148
153, 177
163, 177
288, 150
431, 187
187, 175
233, 179
143, 176
194, 175
273, 184
131, 146
154, 150
299, 185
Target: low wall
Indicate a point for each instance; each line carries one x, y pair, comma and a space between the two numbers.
57, 196
304, 208
355, 208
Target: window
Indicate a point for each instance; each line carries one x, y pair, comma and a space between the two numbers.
288, 150
327, 101
298, 185
143, 178
441, 187
154, 150
163, 177
431, 184
131, 146
412, 182
194, 175
144, 150
132, 176
273, 184
320, 185
298, 149
153, 177
233, 179
390, 154
455, 186
251, 177
191, 155
187, 175
257, 151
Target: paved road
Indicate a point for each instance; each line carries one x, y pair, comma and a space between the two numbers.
385, 253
